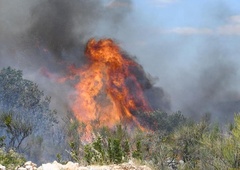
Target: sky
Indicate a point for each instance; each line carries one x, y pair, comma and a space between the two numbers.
154, 22
189, 48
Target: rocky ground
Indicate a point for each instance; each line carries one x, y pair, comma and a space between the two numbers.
75, 166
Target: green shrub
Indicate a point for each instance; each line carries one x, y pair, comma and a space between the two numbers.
137, 153
10, 159
117, 151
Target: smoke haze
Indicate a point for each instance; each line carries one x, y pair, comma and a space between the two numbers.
46, 36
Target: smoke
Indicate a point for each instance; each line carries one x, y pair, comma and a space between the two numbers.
214, 87
58, 27
204, 81
200, 72
43, 38
62, 26
50, 34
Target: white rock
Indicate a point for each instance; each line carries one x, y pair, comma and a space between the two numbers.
28, 163
50, 166
83, 168
40, 168
75, 166
99, 168
21, 168
29, 167
71, 166
57, 164
2, 167
181, 162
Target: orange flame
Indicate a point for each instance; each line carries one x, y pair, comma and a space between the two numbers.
107, 91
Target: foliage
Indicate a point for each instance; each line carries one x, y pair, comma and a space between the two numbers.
88, 153
74, 131
23, 108
158, 120
16, 130
74, 151
137, 153
126, 150
24, 111
117, 151
199, 145
110, 146
2, 143
10, 158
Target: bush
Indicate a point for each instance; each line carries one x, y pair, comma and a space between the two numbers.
24, 109
10, 159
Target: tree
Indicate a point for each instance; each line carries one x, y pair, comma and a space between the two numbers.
24, 109
233, 144
187, 142
117, 151
158, 120
88, 155
74, 131
16, 130
137, 153
99, 149
11, 159
126, 150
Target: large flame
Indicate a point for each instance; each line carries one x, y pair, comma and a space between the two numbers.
107, 92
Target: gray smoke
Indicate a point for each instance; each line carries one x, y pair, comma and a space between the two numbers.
62, 26
215, 86
199, 72
58, 27
38, 36
42, 37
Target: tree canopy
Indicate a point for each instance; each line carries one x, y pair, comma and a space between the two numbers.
23, 108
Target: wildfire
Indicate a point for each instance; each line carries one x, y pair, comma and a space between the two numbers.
107, 92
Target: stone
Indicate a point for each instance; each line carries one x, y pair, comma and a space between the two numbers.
83, 168
49, 166
29, 167
21, 168
181, 162
75, 166
71, 166
2, 167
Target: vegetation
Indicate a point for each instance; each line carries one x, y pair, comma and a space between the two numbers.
22, 108
170, 140
24, 113
193, 145
11, 159
112, 147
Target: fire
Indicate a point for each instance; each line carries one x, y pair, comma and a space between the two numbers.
107, 92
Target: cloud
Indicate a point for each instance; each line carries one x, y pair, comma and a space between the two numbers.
235, 19
229, 30
189, 30
232, 27
164, 2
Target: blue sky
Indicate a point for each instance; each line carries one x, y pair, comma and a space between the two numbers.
187, 13
179, 41
187, 23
